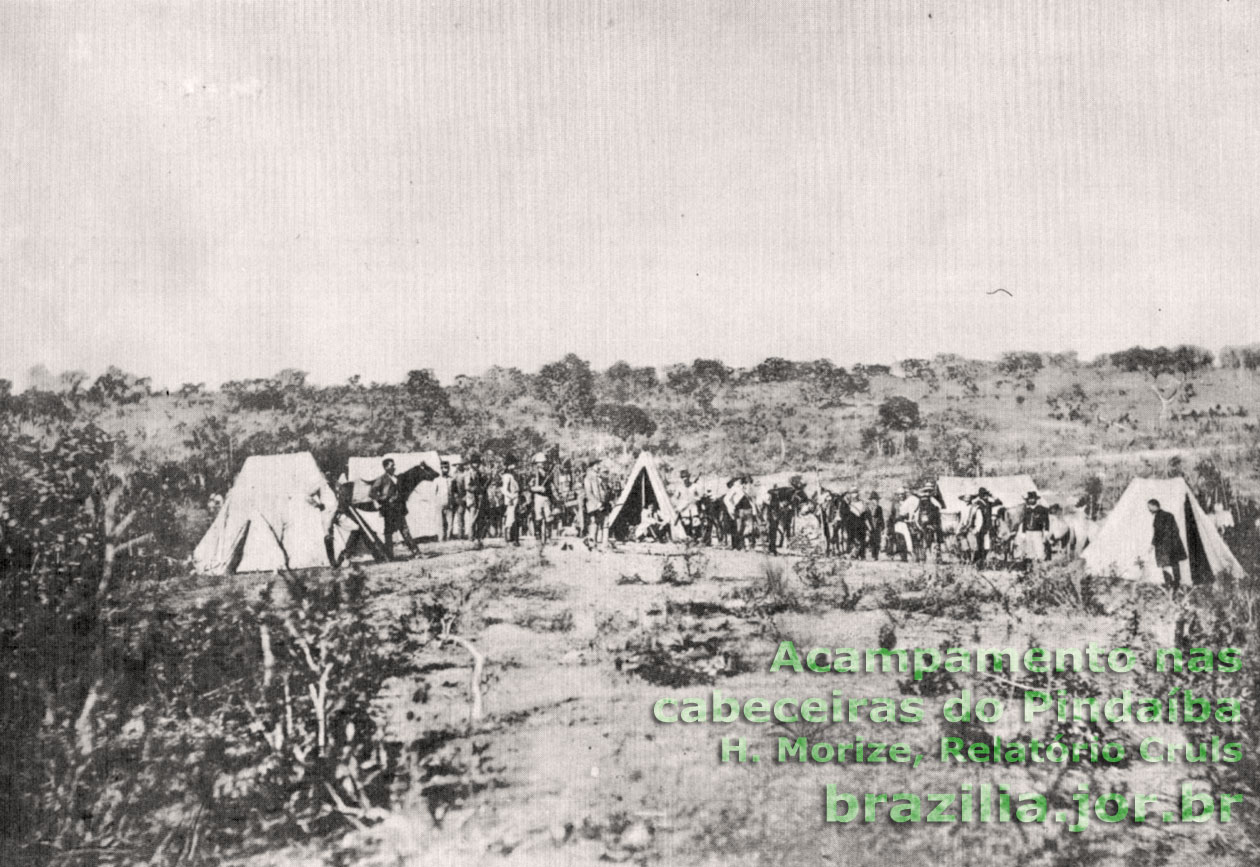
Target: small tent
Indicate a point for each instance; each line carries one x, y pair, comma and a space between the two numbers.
1011, 490
416, 470
277, 515
1123, 544
644, 487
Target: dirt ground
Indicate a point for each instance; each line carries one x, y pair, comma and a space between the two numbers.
575, 770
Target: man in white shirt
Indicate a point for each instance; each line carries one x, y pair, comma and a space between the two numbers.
442, 497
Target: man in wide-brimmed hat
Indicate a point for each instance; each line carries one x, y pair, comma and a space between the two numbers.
1034, 528
874, 525
978, 525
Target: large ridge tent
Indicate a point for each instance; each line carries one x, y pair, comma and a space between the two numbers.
644, 487
1123, 547
1011, 490
416, 470
277, 515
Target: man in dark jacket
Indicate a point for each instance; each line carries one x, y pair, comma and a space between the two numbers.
874, 524
1169, 551
386, 491
1034, 527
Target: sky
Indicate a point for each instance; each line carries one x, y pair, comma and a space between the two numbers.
208, 191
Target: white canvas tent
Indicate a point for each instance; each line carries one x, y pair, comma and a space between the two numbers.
644, 487
1011, 490
1123, 544
277, 515
424, 512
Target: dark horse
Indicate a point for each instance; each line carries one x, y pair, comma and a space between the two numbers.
843, 530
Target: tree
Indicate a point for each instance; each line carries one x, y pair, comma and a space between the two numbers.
623, 420
920, 369
1169, 370
826, 385
899, 414
1069, 360
624, 382
568, 387
959, 370
116, 386
426, 396
955, 449
775, 370
679, 379
1020, 366
1244, 359
254, 394
896, 417
710, 372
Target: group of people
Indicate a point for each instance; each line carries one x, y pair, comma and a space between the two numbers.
912, 527
503, 501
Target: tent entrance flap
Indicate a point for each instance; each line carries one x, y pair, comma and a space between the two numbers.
1200, 566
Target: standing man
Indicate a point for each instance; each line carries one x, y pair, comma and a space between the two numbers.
874, 524
442, 496
474, 498
455, 501
688, 503
511, 487
1169, 550
595, 495
1033, 528
738, 505
386, 492
930, 527
541, 490
979, 526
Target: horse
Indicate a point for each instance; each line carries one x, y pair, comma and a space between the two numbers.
1006, 524
843, 529
1062, 535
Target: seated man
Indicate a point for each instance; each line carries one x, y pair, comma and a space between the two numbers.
651, 525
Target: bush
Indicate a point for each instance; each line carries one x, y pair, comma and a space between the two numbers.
237, 717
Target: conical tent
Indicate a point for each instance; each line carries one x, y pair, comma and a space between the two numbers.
277, 515
1124, 546
424, 512
644, 487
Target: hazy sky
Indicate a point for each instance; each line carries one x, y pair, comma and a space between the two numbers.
203, 191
